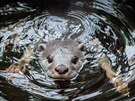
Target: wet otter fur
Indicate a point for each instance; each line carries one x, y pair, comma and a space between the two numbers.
64, 59
60, 59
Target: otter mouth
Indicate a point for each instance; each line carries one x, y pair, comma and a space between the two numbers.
62, 77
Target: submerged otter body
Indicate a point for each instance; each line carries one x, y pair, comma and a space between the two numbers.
64, 59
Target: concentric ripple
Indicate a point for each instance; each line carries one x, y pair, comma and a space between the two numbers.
85, 21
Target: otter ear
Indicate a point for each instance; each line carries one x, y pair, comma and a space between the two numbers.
41, 47
81, 47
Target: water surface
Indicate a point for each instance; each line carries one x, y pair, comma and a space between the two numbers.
24, 23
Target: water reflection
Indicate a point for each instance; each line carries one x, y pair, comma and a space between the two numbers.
23, 24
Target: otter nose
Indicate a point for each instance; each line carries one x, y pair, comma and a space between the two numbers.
61, 69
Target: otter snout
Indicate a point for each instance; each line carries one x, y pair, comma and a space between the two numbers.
61, 69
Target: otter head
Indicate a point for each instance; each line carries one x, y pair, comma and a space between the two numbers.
61, 59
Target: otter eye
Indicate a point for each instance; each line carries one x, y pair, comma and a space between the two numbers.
74, 59
50, 59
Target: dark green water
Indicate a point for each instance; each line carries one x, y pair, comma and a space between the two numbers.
25, 22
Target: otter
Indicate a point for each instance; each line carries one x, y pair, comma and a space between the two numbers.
60, 59
63, 59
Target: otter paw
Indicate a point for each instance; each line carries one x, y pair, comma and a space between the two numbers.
15, 68
120, 85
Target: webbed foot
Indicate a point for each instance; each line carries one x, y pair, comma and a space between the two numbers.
120, 85
15, 68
